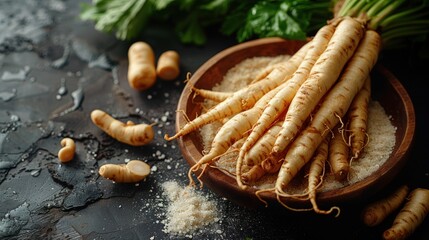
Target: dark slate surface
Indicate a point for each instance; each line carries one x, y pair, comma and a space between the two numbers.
55, 69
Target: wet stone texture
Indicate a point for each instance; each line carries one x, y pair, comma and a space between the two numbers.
54, 70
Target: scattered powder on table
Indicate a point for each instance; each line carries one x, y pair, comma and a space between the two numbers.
188, 210
380, 130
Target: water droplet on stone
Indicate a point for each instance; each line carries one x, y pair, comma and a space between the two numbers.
35, 172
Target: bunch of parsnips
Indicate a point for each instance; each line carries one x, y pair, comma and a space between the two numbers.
323, 88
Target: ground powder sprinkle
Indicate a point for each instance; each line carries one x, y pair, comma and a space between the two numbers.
188, 210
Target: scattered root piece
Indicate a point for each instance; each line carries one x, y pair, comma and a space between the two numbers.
67, 151
133, 171
128, 133
376, 212
410, 216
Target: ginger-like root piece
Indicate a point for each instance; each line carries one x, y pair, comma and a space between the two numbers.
411, 215
67, 151
133, 171
168, 65
128, 133
141, 66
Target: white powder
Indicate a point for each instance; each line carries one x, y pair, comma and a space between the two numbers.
380, 130
245, 72
188, 210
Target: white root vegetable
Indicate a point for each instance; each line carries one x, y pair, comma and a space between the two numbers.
315, 176
279, 103
211, 95
358, 117
410, 216
67, 151
376, 212
231, 131
128, 133
255, 173
141, 66
133, 171
323, 75
339, 154
263, 146
244, 98
168, 65
333, 107
219, 96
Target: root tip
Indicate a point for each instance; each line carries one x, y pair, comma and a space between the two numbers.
168, 138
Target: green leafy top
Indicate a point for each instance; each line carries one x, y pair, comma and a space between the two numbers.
292, 19
395, 20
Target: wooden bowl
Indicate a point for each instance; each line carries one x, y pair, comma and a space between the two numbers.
386, 89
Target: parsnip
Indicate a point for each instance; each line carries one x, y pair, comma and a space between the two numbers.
411, 215
133, 171
233, 130
141, 66
333, 107
322, 77
128, 133
315, 176
244, 98
375, 212
168, 66
339, 155
67, 151
280, 102
358, 117
211, 95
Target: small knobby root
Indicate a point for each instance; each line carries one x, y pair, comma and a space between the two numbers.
67, 152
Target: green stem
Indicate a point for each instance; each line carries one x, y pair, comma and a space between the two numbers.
411, 13
350, 7
365, 6
375, 21
378, 6
402, 33
411, 23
